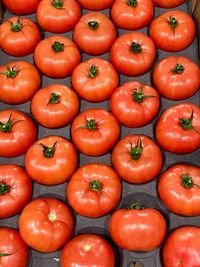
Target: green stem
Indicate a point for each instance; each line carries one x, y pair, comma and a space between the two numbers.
58, 47
136, 151
178, 69
136, 48
138, 96
6, 127
132, 3
16, 27
54, 99
11, 72
134, 206
4, 254
173, 22
93, 24
58, 3
4, 188
186, 124
93, 71
95, 186
187, 181
49, 150
90, 124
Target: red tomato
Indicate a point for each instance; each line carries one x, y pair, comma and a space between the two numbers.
94, 190
55, 106
96, 4
51, 160
95, 79
17, 133
133, 54
19, 36
15, 189
134, 104
132, 14
176, 77
58, 16
172, 31
87, 250
95, 131
178, 129
168, 3
137, 159
182, 247
21, 7
46, 224
13, 250
95, 33
137, 229
57, 56
19, 81
178, 188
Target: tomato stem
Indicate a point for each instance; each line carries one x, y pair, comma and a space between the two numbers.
54, 99
93, 24
136, 48
6, 127
136, 151
134, 206
90, 124
138, 96
11, 72
95, 186
58, 47
132, 3
187, 181
186, 124
4, 254
58, 3
16, 27
179, 69
93, 71
49, 150
173, 22
4, 188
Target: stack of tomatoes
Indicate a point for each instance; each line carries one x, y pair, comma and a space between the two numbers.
78, 69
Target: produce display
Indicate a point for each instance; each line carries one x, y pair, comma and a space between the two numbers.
99, 134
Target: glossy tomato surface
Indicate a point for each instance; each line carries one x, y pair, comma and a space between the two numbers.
168, 3
21, 7
96, 4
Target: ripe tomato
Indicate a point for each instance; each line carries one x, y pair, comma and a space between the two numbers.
46, 224
95, 33
94, 190
21, 7
87, 250
19, 81
51, 160
19, 36
133, 54
55, 106
13, 250
96, 4
137, 229
58, 16
137, 159
134, 104
132, 14
57, 56
172, 31
17, 133
178, 129
95, 131
182, 247
95, 79
176, 77
178, 188
168, 3
15, 189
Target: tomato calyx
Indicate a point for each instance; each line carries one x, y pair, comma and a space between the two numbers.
134, 206
54, 99
11, 72
49, 151
93, 71
90, 124
4, 254
58, 4
132, 3
52, 217
138, 96
95, 185
136, 151
173, 22
4, 188
136, 48
58, 47
186, 124
179, 69
6, 127
16, 27
93, 24
187, 181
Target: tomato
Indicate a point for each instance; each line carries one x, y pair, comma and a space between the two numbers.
168, 3
58, 16
94, 190
137, 229
137, 159
95, 131
94, 33
87, 250
55, 106
134, 104
15, 189
51, 160
13, 250
17, 133
132, 14
19, 81
182, 247
178, 188
172, 31
133, 53
176, 77
56, 56
19, 36
21, 7
95, 79
46, 224
96, 4
178, 128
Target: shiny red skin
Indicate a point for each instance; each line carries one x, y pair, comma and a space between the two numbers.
21, 7
168, 3
96, 4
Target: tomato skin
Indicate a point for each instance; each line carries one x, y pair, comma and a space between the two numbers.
22, 135
98, 88
12, 243
95, 41
168, 3
98, 201
128, 111
51, 170
95, 142
21, 7
175, 83
137, 229
21, 88
87, 250
58, 20
46, 224
56, 64
53, 114
141, 170
182, 247
172, 136
133, 63
96, 4
170, 38
129, 17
